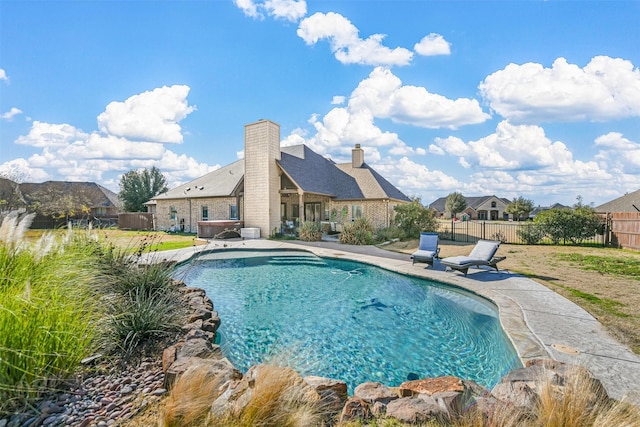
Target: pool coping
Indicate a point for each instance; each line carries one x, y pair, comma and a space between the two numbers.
538, 321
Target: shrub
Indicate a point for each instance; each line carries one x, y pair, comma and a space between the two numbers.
569, 225
412, 218
530, 234
388, 234
499, 236
310, 232
48, 316
359, 232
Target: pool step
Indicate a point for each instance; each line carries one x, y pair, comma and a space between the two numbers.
296, 260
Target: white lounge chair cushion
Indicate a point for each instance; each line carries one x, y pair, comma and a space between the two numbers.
424, 254
484, 250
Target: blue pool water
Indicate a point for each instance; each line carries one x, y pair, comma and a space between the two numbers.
348, 320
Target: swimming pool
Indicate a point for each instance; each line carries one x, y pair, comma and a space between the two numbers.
348, 320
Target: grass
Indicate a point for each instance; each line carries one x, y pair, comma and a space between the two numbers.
622, 266
66, 295
41, 300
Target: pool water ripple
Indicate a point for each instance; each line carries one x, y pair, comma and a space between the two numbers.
350, 321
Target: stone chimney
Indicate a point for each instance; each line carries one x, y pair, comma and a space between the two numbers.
357, 157
261, 177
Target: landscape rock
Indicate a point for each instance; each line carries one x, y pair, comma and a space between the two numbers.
355, 409
372, 392
413, 410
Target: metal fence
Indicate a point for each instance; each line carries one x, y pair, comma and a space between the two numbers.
504, 231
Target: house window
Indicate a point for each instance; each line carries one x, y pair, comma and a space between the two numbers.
482, 215
173, 213
295, 212
312, 212
493, 204
205, 213
356, 211
233, 212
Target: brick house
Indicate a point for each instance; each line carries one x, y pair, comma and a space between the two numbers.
275, 187
483, 208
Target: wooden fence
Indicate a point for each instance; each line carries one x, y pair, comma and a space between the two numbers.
135, 221
624, 229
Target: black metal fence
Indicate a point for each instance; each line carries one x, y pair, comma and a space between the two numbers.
504, 231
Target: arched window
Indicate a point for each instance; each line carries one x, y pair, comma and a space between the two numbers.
493, 204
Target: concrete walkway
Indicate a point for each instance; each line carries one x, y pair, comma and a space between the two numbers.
539, 322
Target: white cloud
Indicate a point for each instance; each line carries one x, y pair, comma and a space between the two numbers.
296, 137
9, 115
291, 10
3, 75
248, 7
150, 116
51, 135
346, 44
606, 88
416, 178
432, 45
511, 147
78, 156
22, 169
338, 100
618, 153
384, 94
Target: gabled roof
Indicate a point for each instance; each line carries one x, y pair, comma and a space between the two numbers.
219, 183
79, 194
316, 174
630, 202
472, 202
372, 184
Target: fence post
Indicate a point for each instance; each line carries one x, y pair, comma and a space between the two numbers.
453, 234
482, 230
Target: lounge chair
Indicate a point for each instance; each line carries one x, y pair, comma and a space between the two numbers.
482, 254
427, 250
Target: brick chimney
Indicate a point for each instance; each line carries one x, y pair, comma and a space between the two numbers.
357, 157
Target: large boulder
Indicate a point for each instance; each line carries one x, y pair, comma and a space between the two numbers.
372, 392
414, 410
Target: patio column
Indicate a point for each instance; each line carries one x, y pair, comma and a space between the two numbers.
301, 204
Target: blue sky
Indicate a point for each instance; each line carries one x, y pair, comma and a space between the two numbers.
539, 99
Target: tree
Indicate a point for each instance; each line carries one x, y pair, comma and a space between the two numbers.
138, 187
519, 208
572, 225
412, 218
455, 203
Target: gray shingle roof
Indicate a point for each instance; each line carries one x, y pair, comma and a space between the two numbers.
81, 194
219, 183
316, 174
628, 203
372, 184
472, 202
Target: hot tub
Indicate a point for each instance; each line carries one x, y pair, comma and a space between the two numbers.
209, 229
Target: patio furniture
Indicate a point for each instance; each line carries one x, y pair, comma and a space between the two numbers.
427, 249
482, 254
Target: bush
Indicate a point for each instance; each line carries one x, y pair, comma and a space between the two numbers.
359, 232
310, 232
389, 233
530, 234
412, 218
569, 225
48, 316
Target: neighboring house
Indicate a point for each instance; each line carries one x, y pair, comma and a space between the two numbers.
68, 200
480, 208
536, 210
274, 186
630, 202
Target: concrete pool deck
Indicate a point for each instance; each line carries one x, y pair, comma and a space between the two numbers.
540, 322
